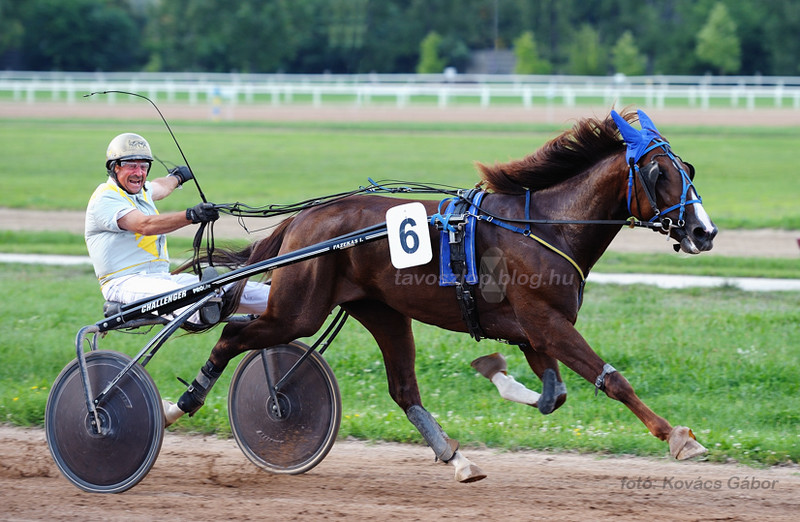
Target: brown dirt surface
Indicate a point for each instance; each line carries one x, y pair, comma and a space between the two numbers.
202, 478
125, 111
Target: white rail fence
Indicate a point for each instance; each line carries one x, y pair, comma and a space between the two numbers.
402, 90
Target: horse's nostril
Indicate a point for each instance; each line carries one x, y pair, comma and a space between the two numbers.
699, 233
702, 234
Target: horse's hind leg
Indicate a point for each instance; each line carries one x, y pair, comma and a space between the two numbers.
392, 331
237, 337
195, 395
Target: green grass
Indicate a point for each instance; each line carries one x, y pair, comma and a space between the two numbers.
722, 361
744, 175
705, 265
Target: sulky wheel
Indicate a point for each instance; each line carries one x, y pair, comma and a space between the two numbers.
131, 417
294, 435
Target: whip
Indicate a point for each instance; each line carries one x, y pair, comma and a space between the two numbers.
186, 161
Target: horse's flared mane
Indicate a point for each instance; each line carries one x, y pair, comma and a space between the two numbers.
563, 157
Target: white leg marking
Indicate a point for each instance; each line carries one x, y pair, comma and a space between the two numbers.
512, 390
171, 411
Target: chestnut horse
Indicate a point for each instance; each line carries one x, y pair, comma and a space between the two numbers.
584, 184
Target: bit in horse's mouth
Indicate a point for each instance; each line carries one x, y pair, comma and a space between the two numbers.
688, 246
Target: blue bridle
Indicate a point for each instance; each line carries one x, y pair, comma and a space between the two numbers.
640, 143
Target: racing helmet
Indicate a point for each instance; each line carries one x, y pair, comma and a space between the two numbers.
127, 146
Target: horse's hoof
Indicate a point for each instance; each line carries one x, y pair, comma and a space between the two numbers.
466, 471
488, 365
683, 445
470, 473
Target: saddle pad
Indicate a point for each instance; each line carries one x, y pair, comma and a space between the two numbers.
446, 275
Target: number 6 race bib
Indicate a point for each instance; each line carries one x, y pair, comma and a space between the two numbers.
409, 237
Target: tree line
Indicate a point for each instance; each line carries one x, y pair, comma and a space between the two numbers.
736, 37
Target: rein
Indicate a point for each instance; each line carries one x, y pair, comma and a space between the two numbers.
403, 187
197, 242
528, 233
240, 210
631, 222
483, 215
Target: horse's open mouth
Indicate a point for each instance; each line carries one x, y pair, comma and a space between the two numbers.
688, 246
693, 245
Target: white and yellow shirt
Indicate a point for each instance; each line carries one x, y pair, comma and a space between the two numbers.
116, 252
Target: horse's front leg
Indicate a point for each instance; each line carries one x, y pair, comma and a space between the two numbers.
561, 340
495, 368
554, 391
682, 442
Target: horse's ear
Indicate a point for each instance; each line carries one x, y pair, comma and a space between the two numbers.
631, 136
647, 123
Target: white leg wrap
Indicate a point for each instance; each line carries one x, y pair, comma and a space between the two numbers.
171, 411
514, 391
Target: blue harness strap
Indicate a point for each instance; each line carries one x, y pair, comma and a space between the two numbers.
447, 276
638, 144
458, 267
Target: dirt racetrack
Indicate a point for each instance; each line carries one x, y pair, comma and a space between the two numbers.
125, 111
200, 478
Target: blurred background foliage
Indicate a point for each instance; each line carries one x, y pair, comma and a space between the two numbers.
674, 37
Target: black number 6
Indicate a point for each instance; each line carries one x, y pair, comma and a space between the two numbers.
408, 236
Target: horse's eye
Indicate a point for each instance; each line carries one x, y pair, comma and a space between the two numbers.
651, 172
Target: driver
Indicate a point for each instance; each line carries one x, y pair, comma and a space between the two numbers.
126, 235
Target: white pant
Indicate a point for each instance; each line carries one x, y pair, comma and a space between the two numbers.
127, 289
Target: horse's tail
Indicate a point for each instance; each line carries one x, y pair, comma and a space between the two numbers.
260, 250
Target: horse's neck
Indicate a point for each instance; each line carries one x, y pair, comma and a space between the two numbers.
597, 194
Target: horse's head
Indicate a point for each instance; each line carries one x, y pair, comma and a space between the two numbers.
661, 187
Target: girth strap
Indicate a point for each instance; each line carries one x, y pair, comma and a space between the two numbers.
465, 292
